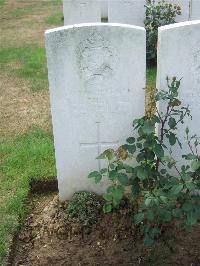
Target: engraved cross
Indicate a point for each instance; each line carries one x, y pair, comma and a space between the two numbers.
98, 144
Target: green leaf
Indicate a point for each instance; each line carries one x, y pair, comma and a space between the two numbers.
191, 218
159, 151
148, 240
107, 208
104, 171
142, 173
148, 202
172, 139
164, 215
150, 215
110, 189
123, 179
190, 185
176, 189
195, 165
107, 154
112, 175
187, 206
172, 122
190, 156
107, 197
131, 140
118, 193
138, 218
96, 175
148, 127
128, 168
177, 213
164, 199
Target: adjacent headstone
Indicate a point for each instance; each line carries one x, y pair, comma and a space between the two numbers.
195, 9
179, 55
185, 9
96, 76
81, 11
127, 11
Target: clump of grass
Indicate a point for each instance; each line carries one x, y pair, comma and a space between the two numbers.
29, 155
83, 208
150, 91
32, 62
55, 19
151, 77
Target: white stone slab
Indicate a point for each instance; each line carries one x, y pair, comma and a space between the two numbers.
81, 11
179, 55
127, 11
96, 76
195, 9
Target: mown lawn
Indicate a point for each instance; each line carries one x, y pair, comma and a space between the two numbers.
27, 156
26, 141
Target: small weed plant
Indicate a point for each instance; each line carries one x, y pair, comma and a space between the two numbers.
158, 14
161, 193
84, 208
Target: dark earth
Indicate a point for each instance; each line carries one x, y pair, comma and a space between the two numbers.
47, 239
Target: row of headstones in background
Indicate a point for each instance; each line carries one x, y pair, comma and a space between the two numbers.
120, 11
96, 76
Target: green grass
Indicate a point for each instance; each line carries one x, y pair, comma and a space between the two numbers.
26, 156
2, 2
32, 64
55, 19
56, 2
19, 12
151, 77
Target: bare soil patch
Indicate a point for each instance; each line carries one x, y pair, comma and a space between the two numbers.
47, 239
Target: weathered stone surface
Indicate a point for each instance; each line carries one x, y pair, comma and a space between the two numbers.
195, 9
179, 55
127, 11
96, 76
81, 11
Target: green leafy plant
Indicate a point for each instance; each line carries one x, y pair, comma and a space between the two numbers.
84, 208
158, 14
161, 193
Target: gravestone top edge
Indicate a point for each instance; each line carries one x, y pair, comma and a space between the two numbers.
178, 25
100, 25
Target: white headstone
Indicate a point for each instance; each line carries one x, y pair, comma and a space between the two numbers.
185, 9
81, 11
127, 11
96, 76
179, 55
195, 9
